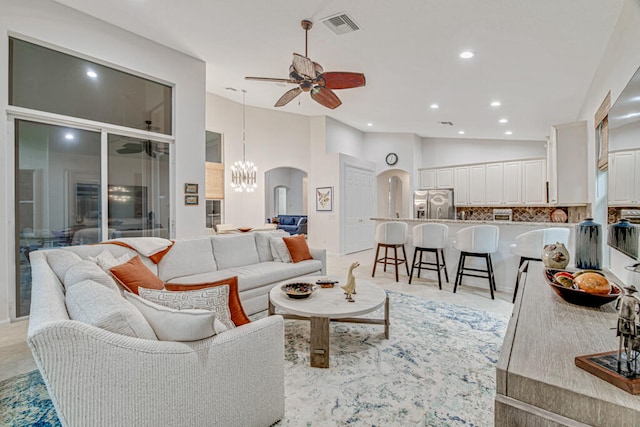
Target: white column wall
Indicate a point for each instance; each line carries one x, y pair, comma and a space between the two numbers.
58, 25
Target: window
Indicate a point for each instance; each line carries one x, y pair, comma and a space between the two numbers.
47, 80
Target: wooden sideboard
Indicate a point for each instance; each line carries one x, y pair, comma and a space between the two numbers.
537, 381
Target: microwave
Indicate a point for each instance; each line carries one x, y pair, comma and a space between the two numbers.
503, 215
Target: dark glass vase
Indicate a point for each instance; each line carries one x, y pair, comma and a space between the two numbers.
624, 237
588, 245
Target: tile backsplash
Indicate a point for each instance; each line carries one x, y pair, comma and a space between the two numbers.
524, 214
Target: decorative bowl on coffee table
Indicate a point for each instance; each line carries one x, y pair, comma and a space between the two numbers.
297, 290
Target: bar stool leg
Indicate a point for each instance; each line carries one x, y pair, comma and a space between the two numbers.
438, 268
459, 273
420, 261
413, 264
406, 264
493, 277
375, 261
444, 264
395, 254
487, 258
520, 271
386, 257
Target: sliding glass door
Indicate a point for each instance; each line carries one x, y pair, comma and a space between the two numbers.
57, 193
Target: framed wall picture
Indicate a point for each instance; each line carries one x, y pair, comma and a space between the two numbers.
191, 188
324, 199
190, 200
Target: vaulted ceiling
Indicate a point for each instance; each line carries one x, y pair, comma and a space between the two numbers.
536, 57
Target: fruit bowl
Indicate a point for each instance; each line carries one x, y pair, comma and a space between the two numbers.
245, 229
578, 296
297, 290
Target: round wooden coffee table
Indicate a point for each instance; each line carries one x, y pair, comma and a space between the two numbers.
329, 304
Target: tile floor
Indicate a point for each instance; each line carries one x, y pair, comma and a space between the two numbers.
15, 356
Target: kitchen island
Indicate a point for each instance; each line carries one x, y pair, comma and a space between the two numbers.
505, 263
537, 381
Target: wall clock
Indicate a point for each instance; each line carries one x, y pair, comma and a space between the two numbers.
392, 159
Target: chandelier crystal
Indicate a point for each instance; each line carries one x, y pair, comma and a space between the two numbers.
244, 174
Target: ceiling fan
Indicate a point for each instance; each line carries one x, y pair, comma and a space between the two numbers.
310, 77
147, 146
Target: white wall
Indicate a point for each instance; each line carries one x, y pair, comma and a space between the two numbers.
619, 62
59, 26
342, 138
273, 139
438, 152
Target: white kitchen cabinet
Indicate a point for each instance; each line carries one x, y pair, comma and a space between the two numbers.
624, 187
534, 182
444, 178
494, 183
568, 163
461, 185
428, 178
512, 187
477, 184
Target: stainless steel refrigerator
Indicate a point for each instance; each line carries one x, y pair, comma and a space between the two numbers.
433, 204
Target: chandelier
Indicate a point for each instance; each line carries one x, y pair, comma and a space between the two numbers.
244, 174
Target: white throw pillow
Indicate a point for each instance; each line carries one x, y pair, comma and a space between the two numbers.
176, 325
92, 303
280, 248
263, 243
106, 260
214, 299
88, 270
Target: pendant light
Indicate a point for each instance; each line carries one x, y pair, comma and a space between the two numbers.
244, 174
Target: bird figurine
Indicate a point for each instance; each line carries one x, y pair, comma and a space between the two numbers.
350, 287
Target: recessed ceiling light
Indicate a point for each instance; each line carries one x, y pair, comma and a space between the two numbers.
461, 132
503, 121
369, 124
434, 106
68, 136
508, 132
467, 54
92, 74
496, 103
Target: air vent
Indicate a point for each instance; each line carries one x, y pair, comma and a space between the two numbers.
446, 123
341, 24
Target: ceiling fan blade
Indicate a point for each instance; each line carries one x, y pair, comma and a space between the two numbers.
343, 80
269, 79
304, 66
325, 97
288, 97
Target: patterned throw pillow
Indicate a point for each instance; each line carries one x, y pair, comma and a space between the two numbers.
212, 299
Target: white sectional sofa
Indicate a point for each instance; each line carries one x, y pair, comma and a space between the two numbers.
99, 377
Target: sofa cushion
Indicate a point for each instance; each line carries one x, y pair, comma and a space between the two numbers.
214, 299
288, 221
94, 304
264, 273
88, 270
187, 256
235, 250
263, 243
238, 316
134, 274
298, 248
61, 260
170, 324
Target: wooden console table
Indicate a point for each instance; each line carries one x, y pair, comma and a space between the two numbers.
537, 382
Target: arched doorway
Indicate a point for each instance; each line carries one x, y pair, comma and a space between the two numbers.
394, 195
285, 192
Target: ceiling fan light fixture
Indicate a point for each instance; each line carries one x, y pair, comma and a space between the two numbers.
244, 174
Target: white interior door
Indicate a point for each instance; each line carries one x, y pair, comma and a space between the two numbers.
359, 206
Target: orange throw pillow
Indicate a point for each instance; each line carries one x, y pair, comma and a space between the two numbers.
238, 316
134, 274
298, 248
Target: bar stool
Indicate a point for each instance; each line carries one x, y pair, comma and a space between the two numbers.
392, 234
529, 246
478, 241
430, 238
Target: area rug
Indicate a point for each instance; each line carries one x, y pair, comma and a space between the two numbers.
436, 369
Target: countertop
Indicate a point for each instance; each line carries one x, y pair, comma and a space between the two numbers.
474, 222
